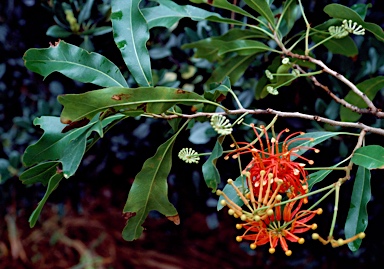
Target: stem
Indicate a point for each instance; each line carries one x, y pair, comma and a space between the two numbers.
236, 99
336, 208
308, 28
282, 15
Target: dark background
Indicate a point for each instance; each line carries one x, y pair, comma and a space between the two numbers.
86, 209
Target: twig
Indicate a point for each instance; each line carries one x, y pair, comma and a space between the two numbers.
333, 96
340, 77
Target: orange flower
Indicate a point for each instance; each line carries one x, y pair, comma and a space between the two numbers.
278, 227
273, 164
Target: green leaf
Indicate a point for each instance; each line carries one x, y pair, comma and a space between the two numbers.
53, 183
216, 93
174, 123
233, 68
131, 33
317, 177
73, 153
344, 46
343, 12
5, 173
241, 184
98, 31
58, 32
283, 69
370, 157
370, 88
208, 48
52, 142
263, 82
149, 191
262, 7
317, 137
291, 15
75, 63
242, 47
39, 173
224, 4
210, 172
153, 100
85, 11
361, 9
357, 219
54, 145
168, 13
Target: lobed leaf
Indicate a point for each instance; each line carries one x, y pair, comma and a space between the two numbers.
370, 88
55, 146
152, 100
131, 33
357, 219
39, 173
75, 63
149, 191
370, 157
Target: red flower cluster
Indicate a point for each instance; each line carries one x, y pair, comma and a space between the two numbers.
279, 227
272, 177
276, 160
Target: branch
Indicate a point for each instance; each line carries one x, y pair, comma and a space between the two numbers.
371, 107
335, 97
357, 125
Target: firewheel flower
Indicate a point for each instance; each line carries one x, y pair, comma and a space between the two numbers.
283, 225
268, 220
273, 163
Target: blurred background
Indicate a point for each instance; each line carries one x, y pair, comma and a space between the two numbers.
80, 226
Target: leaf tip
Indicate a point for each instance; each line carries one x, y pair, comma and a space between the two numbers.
175, 219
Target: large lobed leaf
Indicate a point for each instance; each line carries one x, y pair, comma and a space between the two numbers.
127, 100
75, 63
370, 88
357, 219
131, 33
149, 191
55, 146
